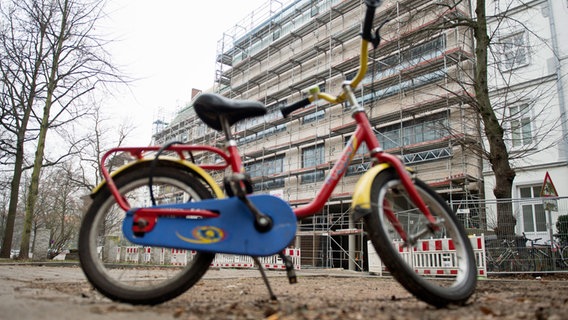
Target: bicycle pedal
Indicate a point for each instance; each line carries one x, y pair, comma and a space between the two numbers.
292, 279
290, 272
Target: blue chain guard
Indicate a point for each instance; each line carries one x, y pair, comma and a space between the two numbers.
231, 232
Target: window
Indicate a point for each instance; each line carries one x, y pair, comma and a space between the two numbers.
315, 9
199, 130
276, 34
320, 114
268, 184
311, 157
533, 215
413, 132
265, 167
521, 132
514, 51
397, 62
314, 176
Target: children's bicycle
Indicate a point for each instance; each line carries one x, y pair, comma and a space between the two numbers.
166, 198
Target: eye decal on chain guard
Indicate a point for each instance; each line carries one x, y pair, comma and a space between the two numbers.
204, 235
232, 231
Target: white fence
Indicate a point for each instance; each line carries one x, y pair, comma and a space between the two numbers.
435, 257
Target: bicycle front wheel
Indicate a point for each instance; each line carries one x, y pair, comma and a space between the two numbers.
138, 281
438, 277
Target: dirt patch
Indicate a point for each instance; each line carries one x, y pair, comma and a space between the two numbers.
326, 297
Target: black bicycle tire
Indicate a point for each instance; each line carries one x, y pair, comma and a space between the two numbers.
529, 262
98, 278
420, 287
564, 256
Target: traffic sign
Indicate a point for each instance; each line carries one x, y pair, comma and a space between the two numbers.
548, 189
548, 192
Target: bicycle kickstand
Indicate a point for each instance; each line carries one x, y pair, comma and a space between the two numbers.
264, 278
290, 273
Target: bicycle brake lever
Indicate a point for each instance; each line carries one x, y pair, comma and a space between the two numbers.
376, 37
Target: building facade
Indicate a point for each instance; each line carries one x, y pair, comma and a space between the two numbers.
413, 95
528, 90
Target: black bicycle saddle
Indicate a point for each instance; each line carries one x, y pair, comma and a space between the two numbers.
210, 107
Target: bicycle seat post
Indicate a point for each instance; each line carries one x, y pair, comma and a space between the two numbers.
238, 183
227, 130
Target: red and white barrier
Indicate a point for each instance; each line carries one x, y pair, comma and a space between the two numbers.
436, 257
114, 257
179, 257
232, 261
131, 254
478, 244
275, 262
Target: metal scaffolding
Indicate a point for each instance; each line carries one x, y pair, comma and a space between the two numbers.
414, 94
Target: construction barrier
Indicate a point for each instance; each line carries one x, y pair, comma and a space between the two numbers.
232, 261
436, 257
131, 254
276, 263
179, 257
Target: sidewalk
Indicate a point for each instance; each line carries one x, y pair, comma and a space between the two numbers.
70, 270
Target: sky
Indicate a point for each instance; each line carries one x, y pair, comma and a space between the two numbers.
169, 47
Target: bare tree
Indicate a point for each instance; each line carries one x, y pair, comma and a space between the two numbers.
59, 206
489, 103
51, 60
77, 63
22, 50
102, 137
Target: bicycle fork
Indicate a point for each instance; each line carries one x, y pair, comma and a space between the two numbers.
358, 113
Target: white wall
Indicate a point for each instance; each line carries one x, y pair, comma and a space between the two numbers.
547, 153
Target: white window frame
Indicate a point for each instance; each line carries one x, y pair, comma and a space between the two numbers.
533, 208
313, 156
514, 50
521, 126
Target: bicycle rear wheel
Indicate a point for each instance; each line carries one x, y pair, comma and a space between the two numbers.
438, 278
148, 282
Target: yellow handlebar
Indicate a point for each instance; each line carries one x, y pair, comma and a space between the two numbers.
363, 60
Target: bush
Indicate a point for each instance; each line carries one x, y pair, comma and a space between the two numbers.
562, 228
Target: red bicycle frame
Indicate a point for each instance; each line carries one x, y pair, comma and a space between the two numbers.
363, 133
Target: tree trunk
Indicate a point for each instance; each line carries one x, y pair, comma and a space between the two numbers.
13, 206
498, 154
38, 161
34, 184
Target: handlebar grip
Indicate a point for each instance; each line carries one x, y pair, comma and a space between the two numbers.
373, 3
369, 17
294, 106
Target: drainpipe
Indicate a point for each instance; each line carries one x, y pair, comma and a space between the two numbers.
559, 84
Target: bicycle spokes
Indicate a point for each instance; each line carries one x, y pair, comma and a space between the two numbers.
398, 227
410, 223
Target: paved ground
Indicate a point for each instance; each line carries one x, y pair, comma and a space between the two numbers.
57, 292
